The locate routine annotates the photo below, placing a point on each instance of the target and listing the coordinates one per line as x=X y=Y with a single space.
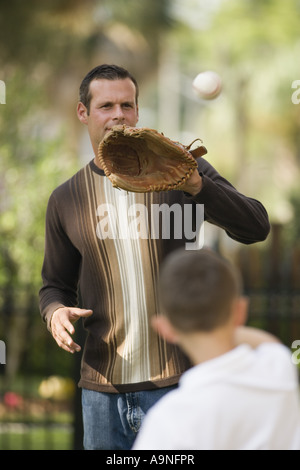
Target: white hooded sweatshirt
x=245 y=399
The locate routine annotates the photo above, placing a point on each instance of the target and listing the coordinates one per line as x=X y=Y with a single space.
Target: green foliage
x=32 y=165
x=34 y=32
x=46 y=48
x=34 y=160
x=292 y=229
x=145 y=16
x=252 y=129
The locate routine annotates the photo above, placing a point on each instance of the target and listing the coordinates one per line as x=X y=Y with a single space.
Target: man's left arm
x=243 y=218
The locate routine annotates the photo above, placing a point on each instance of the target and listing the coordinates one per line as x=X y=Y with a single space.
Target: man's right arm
x=60 y=274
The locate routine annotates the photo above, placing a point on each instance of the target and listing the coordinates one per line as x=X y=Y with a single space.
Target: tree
x=45 y=49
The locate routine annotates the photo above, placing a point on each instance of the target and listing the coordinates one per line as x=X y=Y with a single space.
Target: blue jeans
x=111 y=420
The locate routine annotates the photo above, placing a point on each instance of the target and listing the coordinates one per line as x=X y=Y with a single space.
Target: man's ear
x=82 y=113
x=164 y=328
x=241 y=310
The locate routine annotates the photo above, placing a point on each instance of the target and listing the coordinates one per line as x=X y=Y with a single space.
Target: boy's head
x=197 y=290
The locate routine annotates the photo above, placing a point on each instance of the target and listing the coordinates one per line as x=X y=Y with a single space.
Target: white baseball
x=207 y=85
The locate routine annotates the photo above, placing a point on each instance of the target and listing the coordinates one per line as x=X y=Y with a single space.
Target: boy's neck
x=201 y=347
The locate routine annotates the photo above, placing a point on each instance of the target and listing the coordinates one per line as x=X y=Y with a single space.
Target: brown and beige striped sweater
x=108 y=244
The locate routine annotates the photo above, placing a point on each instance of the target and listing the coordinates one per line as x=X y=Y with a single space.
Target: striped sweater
x=108 y=244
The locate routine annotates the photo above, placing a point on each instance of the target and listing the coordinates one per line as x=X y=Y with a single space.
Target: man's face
x=112 y=103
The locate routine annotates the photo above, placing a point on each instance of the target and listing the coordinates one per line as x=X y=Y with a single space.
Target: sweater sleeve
x=244 y=219
x=60 y=270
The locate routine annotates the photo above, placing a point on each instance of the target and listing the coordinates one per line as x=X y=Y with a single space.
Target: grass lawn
x=36 y=437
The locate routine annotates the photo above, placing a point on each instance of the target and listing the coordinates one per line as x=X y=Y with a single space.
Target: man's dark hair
x=107 y=72
x=197 y=289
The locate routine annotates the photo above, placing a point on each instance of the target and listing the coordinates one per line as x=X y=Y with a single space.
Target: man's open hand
x=62 y=326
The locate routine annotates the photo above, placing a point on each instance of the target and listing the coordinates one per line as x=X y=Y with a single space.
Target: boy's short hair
x=107 y=72
x=197 y=289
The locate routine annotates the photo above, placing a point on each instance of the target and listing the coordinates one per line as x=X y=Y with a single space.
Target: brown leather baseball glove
x=139 y=159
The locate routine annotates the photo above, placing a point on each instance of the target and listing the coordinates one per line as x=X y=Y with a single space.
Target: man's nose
x=118 y=113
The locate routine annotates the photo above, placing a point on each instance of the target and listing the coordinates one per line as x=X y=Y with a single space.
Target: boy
x=242 y=392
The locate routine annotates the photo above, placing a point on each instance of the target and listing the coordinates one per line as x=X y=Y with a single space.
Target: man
x=126 y=366
x=242 y=392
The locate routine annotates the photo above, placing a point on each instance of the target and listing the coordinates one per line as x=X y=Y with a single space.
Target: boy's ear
x=164 y=328
x=241 y=306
